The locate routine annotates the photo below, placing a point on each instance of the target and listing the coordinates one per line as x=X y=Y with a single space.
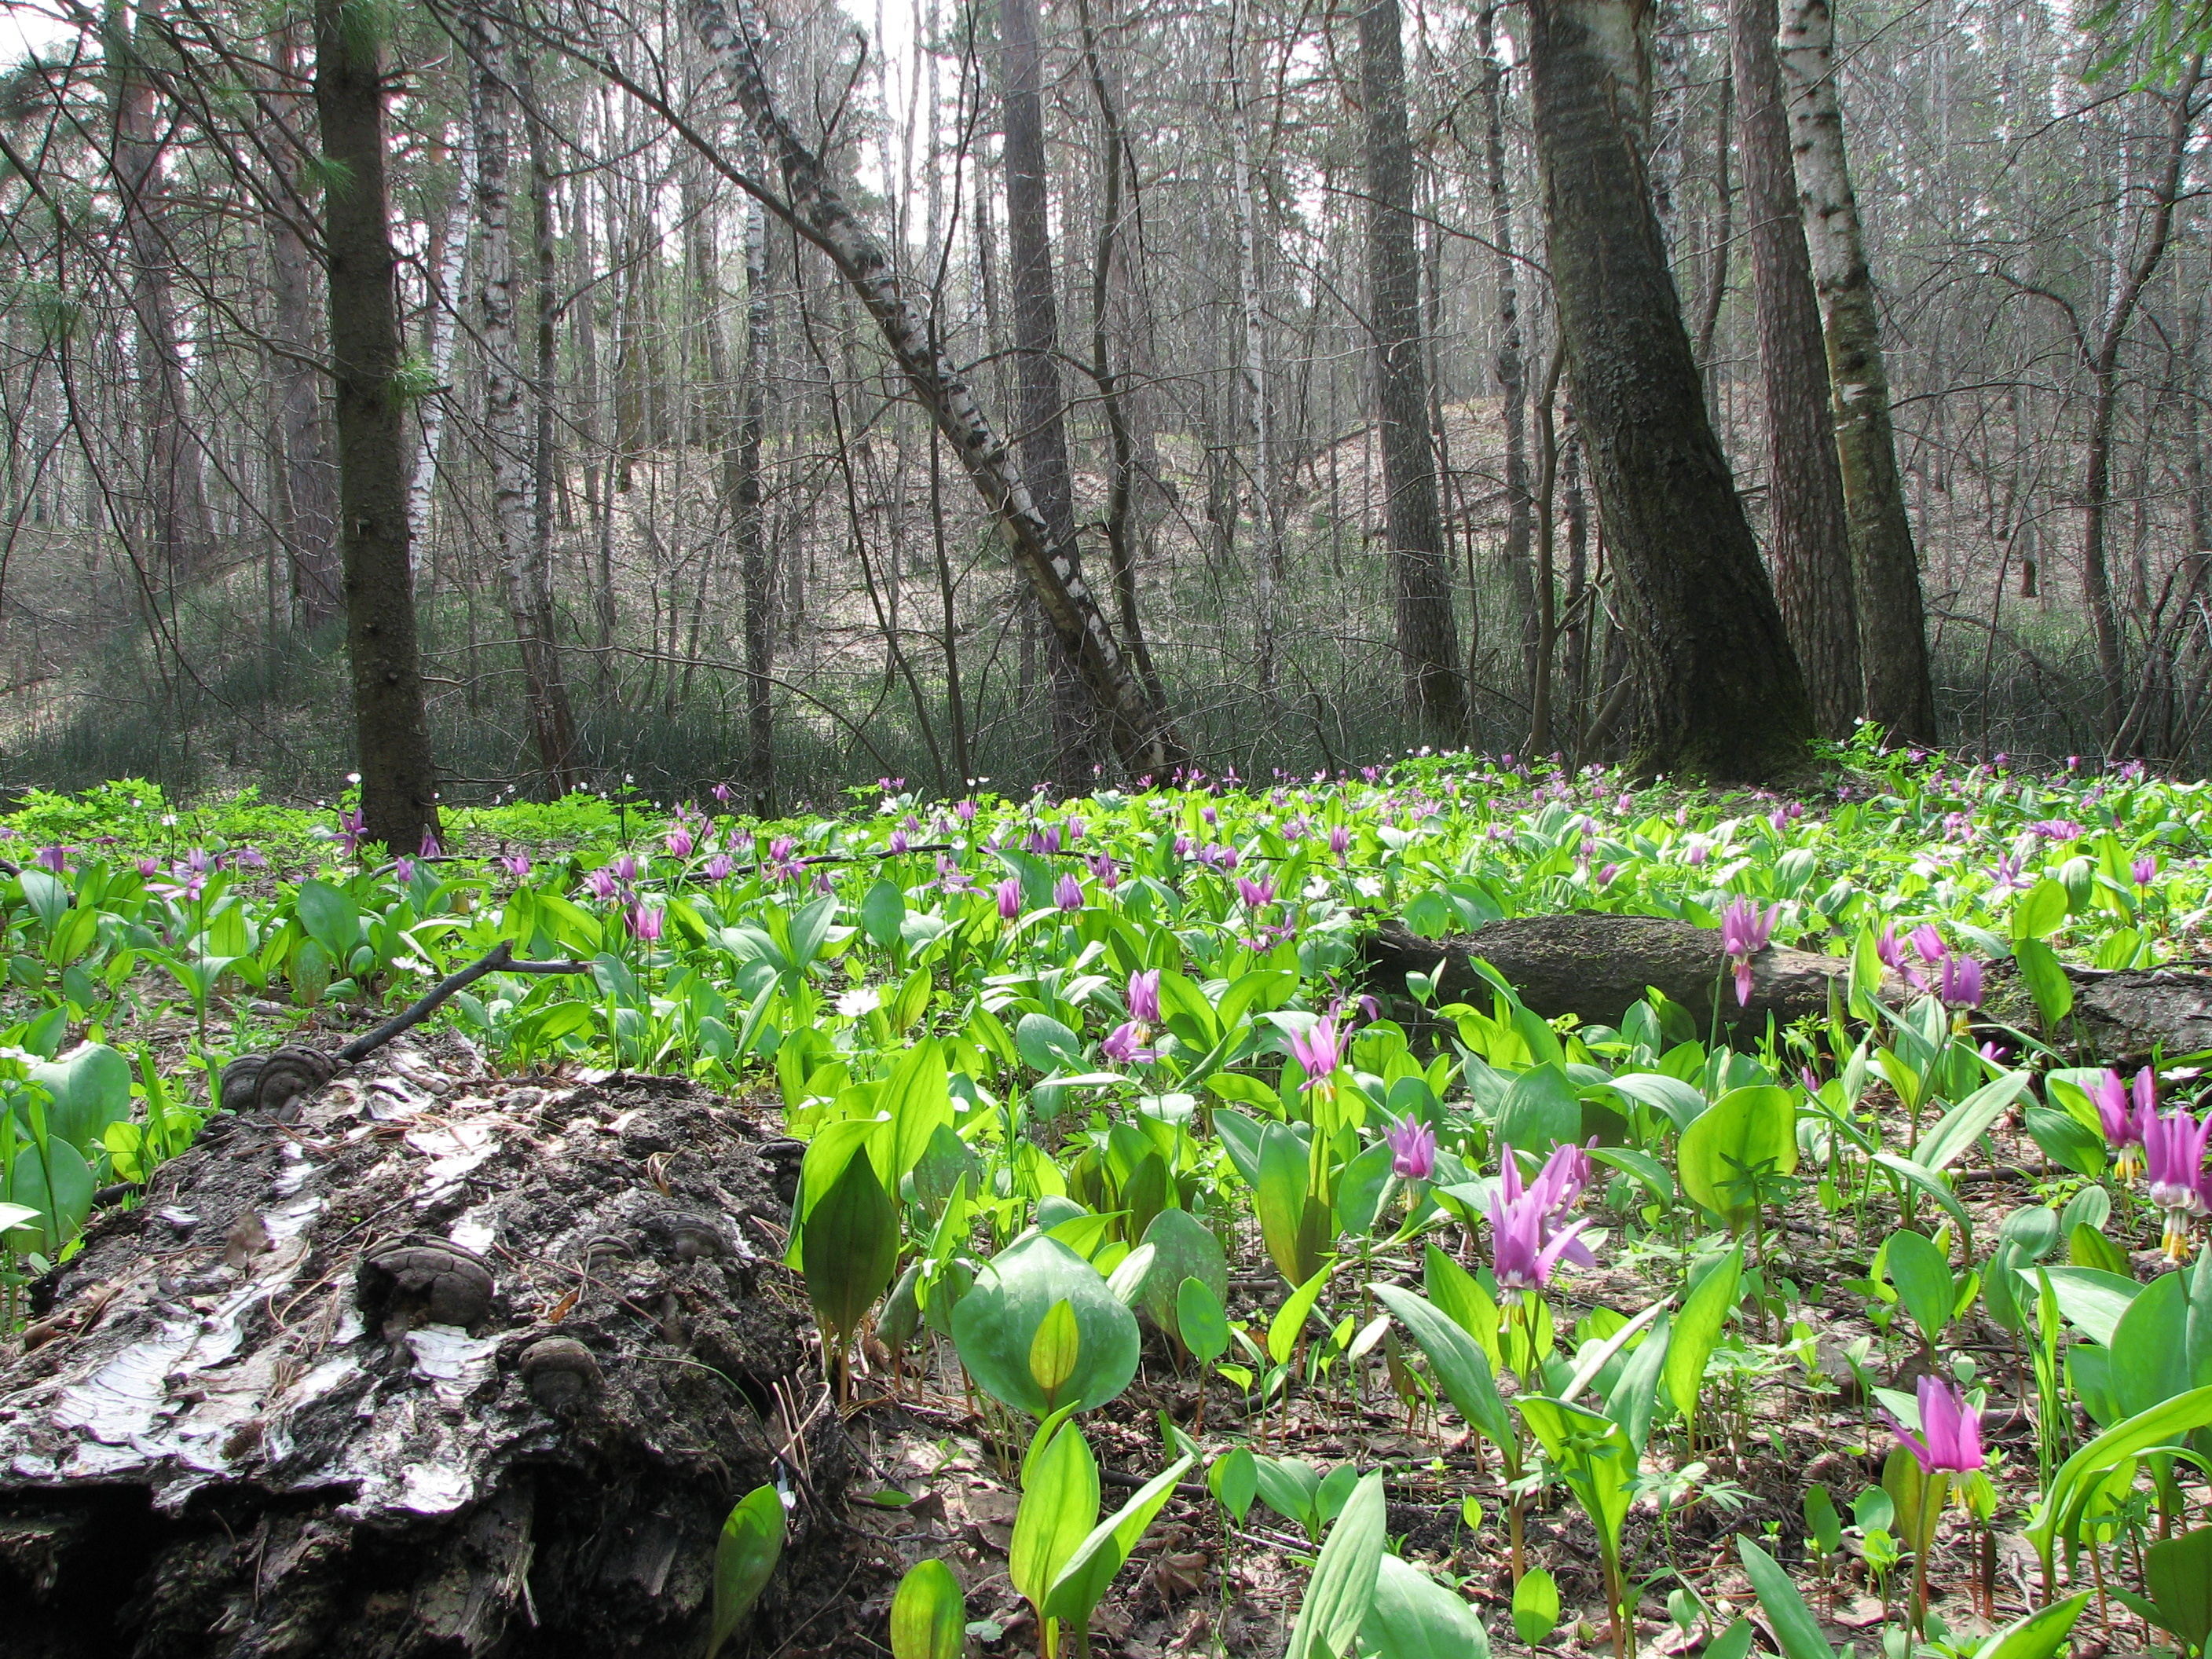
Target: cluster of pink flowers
x=1956 y=979
x=2168 y=1148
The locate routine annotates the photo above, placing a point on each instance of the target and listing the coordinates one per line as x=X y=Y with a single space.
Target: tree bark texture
x=755 y=574
x=1513 y=368
x=1900 y=695
x=1806 y=536
x=2103 y=356
x=1039 y=409
x=444 y=304
x=446 y=1365
x=1719 y=692
x=1270 y=567
x=310 y=498
x=1428 y=651
x=180 y=537
x=507 y=414
x=398 y=786
x=1139 y=725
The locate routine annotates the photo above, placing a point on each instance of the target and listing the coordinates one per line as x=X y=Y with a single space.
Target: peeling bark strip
x=1142 y=733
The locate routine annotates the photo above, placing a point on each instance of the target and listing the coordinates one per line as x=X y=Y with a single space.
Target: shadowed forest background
x=676 y=518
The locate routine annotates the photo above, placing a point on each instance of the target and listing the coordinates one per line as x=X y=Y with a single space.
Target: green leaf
x=1698 y=1333
x=1591 y=1452
x=883 y=911
x=1730 y=1159
x=332 y=918
x=2046 y=981
x=1060 y=1505
x=1291 y=1318
x=1966 y=1122
x=2178 y=1573
x=929 y=1616
x=1342 y=1589
x=1280 y=1200
x=1461 y=1366
x=918 y=1102
x=1462 y=1298
x=1201 y=1321
x=2039 y=1635
x=1414 y=1617
x=1079 y=1585
x=744 y=1558
x=1054 y=1351
x=90 y=1089
x=997 y=1320
x=1291 y=1487
x=1791 y=1620
x=1916 y=1265
x=62 y=1204
x=1184 y=1247
x=2059 y=1515
x=850 y=1249
x=1234 y=1480
x=2150 y=1345
x=1541 y=1110
x=2092 y=1299
x=2040 y=911
x=1536 y=1605
x=1048 y=1045
x=2065 y=1140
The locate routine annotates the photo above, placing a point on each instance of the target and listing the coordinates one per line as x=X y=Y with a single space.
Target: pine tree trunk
x=507 y=416
x=398 y=788
x=1427 y=632
x=1806 y=537
x=1900 y=697
x=1719 y=694
x=1142 y=733
x=310 y=519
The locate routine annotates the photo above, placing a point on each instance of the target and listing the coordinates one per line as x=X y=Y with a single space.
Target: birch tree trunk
x=1719 y=694
x=1142 y=730
x=506 y=417
x=1804 y=486
x=1427 y=632
x=445 y=309
x=398 y=786
x=1900 y=697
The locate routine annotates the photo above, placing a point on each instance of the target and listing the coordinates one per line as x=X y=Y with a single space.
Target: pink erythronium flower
x=1145 y=996
x=353 y=830
x=601 y=883
x=1010 y=899
x=718 y=867
x=678 y=842
x=1125 y=1045
x=2173 y=1150
x=2143 y=871
x=1318 y=1051
x=2124 y=1114
x=516 y=864
x=1525 y=1248
x=1745 y=932
x=1929 y=942
x=1950 y=1437
x=1255 y=895
x=430 y=848
x=644 y=922
x=1413 y=1146
x=1961 y=986
x=1067 y=893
